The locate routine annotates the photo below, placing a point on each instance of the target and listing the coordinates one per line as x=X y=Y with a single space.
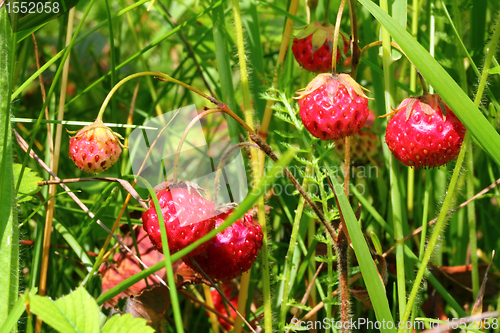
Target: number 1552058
x=25 y=7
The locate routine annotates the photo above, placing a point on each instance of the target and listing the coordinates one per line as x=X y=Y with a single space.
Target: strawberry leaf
x=29 y=183
x=76 y=312
x=126 y=324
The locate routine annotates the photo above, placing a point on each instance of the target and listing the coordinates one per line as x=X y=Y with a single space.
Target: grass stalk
x=174 y=299
x=256 y=167
x=287 y=281
x=285 y=42
x=54 y=166
x=395 y=192
x=9 y=230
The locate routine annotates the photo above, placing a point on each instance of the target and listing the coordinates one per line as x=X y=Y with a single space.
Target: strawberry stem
x=347 y=162
x=327 y=8
x=355 y=51
x=336 y=36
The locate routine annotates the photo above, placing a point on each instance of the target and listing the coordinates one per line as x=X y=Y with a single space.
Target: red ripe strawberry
x=364 y=144
x=312 y=48
x=232 y=251
x=186 y=215
x=95 y=148
x=232 y=295
x=333 y=106
x=424 y=132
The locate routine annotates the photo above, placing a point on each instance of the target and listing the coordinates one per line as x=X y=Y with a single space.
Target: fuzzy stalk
x=451 y=187
x=256 y=167
x=9 y=230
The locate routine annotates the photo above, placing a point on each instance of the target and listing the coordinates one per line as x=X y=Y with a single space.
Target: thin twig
x=126 y=185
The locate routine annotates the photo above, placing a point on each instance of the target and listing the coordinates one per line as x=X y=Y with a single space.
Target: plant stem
x=242 y=300
x=451 y=187
x=168 y=264
x=394 y=173
x=290 y=254
x=327 y=9
x=256 y=167
x=54 y=166
x=437 y=230
x=9 y=230
x=336 y=35
x=285 y=42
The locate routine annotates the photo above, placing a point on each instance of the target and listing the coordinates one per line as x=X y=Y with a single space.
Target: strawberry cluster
x=188 y=216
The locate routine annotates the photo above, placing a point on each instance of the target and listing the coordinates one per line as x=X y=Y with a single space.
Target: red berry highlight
x=186 y=215
x=312 y=48
x=424 y=132
x=232 y=251
x=333 y=106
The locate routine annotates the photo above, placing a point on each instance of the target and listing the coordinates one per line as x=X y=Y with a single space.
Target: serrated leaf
x=126 y=324
x=29 y=183
x=494 y=70
x=76 y=312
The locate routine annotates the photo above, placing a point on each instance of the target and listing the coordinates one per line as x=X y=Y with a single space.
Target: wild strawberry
x=333 y=106
x=364 y=144
x=232 y=295
x=187 y=216
x=312 y=48
x=424 y=132
x=232 y=251
x=95 y=148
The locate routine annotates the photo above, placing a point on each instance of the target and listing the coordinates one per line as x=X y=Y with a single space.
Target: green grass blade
x=14 y=315
x=75 y=246
x=442 y=82
x=9 y=230
x=373 y=283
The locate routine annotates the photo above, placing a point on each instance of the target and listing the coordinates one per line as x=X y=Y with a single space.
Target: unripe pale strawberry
x=333 y=106
x=312 y=47
x=231 y=252
x=95 y=148
x=186 y=214
x=424 y=132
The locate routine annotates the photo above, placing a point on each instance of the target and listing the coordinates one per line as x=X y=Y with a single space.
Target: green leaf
x=126 y=324
x=494 y=70
x=76 y=312
x=442 y=82
x=29 y=183
x=9 y=231
x=374 y=285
